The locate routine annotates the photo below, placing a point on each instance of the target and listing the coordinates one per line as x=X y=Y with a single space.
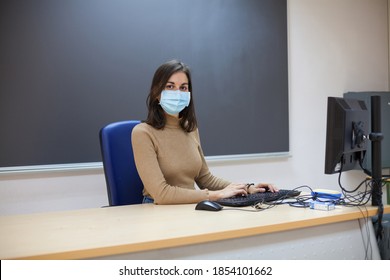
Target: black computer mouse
x=208 y=206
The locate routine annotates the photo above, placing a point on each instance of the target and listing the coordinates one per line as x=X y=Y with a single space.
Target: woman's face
x=178 y=81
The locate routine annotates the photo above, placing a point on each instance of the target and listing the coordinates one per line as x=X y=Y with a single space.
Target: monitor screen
x=346 y=134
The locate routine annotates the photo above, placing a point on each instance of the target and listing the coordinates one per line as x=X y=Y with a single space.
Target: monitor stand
x=376 y=137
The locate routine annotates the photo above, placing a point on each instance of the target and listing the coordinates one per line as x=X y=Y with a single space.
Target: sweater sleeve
x=155 y=185
x=205 y=179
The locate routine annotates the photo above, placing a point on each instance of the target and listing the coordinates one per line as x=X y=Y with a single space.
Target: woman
x=167 y=149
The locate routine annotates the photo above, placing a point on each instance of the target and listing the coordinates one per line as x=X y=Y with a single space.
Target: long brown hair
x=156 y=115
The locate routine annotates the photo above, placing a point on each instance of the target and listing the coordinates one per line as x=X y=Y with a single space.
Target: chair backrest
x=124 y=185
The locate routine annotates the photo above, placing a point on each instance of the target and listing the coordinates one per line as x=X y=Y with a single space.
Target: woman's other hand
x=229 y=191
x=262 y=187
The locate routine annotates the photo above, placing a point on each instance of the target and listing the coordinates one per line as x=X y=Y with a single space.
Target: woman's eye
x=169 y=86
x=184 y=88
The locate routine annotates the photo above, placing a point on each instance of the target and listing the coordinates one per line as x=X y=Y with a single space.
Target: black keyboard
x=252 y=199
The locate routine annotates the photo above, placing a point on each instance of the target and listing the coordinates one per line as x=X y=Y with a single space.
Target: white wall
x=334 y=46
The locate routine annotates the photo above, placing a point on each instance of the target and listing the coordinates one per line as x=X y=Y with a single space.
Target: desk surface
x=109 y=231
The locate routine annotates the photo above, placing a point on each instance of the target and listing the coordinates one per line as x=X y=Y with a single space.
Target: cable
x=361 y=198
x=299 y=201
x=242 y=209
x=368 y=245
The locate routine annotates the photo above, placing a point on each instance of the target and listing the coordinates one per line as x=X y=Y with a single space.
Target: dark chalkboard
x=67 y=68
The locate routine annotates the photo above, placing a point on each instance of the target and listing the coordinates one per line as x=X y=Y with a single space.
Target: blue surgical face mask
x=174 y=101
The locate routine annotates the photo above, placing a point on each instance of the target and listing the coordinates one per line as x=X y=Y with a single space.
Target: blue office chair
x=124 y=185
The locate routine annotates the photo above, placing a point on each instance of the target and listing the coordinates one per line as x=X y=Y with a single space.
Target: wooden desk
x=102 y=232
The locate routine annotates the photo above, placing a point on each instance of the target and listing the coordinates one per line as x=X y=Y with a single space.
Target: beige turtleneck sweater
x=170 y=161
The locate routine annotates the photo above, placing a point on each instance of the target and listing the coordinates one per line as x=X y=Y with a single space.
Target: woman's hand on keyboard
x=229 y=191
x=262 y=187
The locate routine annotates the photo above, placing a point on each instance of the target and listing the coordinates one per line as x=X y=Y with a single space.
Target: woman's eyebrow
x=169 y=82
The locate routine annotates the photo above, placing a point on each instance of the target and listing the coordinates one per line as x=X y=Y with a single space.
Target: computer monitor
x=384 y=127
x=346 y=134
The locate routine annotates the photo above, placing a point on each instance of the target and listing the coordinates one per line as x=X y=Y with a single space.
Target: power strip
x=322 y=205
